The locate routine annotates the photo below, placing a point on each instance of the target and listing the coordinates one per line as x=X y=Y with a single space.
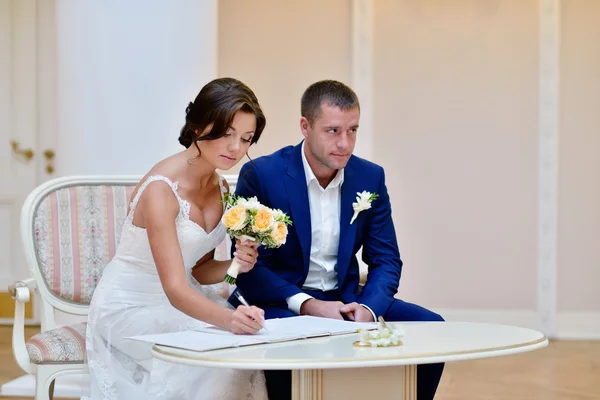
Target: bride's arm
x=208 y=271
x=159 y=208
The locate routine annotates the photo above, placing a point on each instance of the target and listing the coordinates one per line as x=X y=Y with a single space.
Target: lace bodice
x=195 y=242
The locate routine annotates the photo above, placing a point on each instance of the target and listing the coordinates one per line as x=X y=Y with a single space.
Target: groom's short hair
x=329 y=92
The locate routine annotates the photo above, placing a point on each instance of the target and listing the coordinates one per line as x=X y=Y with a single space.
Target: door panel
x=18 y=135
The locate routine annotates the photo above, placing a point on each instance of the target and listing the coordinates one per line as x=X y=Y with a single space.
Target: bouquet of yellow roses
x=247 y=219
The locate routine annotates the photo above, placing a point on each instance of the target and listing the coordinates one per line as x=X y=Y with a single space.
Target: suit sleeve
x=261 y=285
x=380 y=253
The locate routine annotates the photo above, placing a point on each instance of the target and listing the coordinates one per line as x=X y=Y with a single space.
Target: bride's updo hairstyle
x=216 y=104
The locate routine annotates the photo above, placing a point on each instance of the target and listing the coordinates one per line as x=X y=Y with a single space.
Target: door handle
x=49 y=156
x=25 y=153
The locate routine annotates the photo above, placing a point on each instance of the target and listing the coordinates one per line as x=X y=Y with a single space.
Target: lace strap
x=183 y=205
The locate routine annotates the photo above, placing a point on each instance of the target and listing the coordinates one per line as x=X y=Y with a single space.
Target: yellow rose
x=263 y=220
x=235 y=218
x=279 y=233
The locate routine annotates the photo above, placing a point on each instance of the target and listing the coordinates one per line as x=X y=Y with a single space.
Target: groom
x=316 y=272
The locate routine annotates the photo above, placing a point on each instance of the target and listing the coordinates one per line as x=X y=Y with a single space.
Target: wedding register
x=277 y=330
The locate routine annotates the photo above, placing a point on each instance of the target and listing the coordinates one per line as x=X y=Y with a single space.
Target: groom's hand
x=357 y=313
x=319 y=308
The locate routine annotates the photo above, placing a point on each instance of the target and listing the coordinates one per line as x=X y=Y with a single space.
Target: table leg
x=355 y=383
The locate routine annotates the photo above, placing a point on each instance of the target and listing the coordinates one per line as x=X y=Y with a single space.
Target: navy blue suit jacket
x=278 y=181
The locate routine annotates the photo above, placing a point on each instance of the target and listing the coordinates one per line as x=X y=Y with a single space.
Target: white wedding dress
x=130 y=300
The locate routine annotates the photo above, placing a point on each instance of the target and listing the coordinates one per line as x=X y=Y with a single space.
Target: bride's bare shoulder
x=169 y=167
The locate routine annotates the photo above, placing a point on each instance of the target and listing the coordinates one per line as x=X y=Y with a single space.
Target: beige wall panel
x=455 y=100
x=278 y=48
x=579 y=163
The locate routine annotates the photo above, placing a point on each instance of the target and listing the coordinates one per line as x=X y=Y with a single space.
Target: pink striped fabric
x=110 y=217
x=75 y=243
x=55 y=251
x=58 y=346
x=76 y=233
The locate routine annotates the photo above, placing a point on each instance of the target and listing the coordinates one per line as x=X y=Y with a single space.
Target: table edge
x=204 y=359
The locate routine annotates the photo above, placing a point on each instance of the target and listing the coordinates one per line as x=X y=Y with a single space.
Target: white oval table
x=332 y=368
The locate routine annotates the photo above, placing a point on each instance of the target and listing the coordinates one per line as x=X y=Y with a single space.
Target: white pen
x=244 y=302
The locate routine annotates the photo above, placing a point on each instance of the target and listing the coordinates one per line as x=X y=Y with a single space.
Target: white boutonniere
x=363 y=202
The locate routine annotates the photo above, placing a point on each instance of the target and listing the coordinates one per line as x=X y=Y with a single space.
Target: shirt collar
x=310 y=175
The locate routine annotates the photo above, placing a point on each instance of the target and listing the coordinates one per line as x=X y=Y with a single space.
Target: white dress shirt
x=324 y=206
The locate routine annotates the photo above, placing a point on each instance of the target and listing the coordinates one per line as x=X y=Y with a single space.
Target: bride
x=152 y=285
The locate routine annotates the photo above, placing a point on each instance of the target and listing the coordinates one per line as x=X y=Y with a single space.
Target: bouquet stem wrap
x=234 y=268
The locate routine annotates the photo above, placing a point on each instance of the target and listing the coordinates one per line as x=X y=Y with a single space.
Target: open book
x=277 y=330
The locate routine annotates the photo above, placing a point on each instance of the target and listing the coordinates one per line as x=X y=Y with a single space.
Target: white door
x=23 y=79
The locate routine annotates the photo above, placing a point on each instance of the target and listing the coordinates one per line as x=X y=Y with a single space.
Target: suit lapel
x=297 y=191
x=347 y=231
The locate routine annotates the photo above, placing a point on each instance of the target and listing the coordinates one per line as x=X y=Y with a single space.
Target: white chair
x=70 y=229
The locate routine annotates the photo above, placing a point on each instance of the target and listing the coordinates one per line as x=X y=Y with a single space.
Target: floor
x=565 y=370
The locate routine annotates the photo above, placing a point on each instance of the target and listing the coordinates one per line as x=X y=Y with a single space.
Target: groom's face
x=332 y=136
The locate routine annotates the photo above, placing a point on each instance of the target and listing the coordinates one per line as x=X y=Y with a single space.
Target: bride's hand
x=246 y=254
x=247 y=320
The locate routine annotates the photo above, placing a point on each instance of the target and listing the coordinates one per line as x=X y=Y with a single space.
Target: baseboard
x=578 y=325
x=571 y=325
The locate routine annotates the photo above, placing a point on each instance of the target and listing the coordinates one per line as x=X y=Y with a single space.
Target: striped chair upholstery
x=76 y=231
x=64 y=345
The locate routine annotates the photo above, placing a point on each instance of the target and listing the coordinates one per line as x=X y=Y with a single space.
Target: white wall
x=102 y=84
x=126 y=72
